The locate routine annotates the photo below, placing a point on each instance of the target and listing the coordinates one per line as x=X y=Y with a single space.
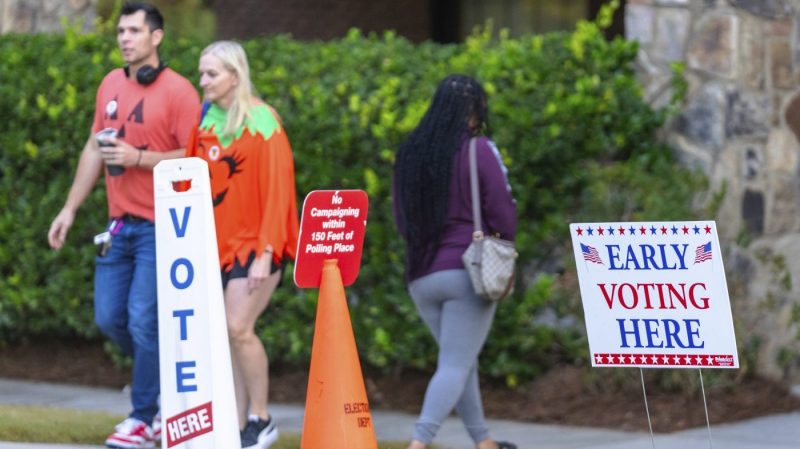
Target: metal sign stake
x=647 y=409
x=705 y=406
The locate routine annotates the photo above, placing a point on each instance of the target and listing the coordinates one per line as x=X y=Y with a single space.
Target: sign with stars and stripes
x=654 y=294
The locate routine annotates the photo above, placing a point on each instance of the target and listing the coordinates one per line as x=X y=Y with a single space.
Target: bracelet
x=139 y=159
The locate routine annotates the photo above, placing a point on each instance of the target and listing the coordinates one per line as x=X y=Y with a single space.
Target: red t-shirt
x=157 y=117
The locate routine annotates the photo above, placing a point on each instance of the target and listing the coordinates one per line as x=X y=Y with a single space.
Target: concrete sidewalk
x=772 y=432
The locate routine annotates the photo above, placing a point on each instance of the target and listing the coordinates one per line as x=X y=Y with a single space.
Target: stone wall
x=740 y=124
x=38 y=16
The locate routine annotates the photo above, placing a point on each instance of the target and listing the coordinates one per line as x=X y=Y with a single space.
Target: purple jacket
x=498 y=208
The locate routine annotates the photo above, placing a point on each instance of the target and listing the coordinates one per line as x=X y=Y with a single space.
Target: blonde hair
x=233 y=58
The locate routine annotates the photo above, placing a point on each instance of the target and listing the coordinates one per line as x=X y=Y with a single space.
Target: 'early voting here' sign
x=654 y=294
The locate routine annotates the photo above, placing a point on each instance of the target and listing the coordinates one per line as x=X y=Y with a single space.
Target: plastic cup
x=104 y=137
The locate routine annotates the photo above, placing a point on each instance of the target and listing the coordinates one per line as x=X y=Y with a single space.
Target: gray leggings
x=459 y=321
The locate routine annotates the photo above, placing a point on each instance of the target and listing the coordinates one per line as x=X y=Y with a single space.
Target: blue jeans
x=126 y=309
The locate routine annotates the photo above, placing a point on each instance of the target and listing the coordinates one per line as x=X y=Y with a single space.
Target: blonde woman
x=253 y=189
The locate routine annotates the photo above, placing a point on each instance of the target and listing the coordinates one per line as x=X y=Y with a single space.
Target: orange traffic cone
x=337 y=413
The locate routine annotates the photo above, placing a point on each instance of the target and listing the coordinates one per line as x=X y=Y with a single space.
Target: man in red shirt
x=153 y=110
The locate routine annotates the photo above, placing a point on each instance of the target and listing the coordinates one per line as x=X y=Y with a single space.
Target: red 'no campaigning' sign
x=332 y=227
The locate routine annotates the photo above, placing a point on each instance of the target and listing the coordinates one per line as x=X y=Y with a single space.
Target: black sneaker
x=259 y=434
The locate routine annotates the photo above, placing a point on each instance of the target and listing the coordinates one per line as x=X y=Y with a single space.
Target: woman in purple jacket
x=433 y=212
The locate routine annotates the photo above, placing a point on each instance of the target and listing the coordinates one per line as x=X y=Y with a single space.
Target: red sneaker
x=157 y=426
x=131 y=434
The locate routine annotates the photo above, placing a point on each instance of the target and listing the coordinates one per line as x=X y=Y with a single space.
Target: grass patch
x=55 y=425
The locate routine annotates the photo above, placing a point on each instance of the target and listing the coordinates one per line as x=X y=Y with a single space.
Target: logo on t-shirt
x=137 y=114
x=111 y=109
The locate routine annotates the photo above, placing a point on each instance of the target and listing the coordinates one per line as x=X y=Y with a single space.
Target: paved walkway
x=772 y=432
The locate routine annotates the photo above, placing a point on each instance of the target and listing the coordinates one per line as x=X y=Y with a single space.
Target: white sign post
x=654 y=295
x=198 y=405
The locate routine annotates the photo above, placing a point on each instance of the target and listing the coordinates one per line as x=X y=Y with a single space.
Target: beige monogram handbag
x=489 y=260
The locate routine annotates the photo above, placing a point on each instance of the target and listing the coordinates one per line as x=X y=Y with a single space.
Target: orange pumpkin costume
x=252 y=183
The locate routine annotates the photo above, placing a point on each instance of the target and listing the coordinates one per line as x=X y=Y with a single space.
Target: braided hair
x=424 y=164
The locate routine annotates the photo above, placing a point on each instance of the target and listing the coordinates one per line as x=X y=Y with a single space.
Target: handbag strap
x=473 y=184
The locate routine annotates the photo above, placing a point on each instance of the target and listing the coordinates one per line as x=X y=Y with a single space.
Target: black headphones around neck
x=147 y=74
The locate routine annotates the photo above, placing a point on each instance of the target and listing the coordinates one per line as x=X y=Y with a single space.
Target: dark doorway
x=446 y=21
x=617 y=27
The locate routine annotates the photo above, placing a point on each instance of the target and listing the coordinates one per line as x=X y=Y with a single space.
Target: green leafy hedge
x=567 y=115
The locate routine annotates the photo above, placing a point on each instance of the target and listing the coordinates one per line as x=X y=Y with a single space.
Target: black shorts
x=240 y=271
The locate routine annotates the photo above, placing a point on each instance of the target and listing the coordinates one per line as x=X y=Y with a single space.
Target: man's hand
x=122 y=153
x=59 y=228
